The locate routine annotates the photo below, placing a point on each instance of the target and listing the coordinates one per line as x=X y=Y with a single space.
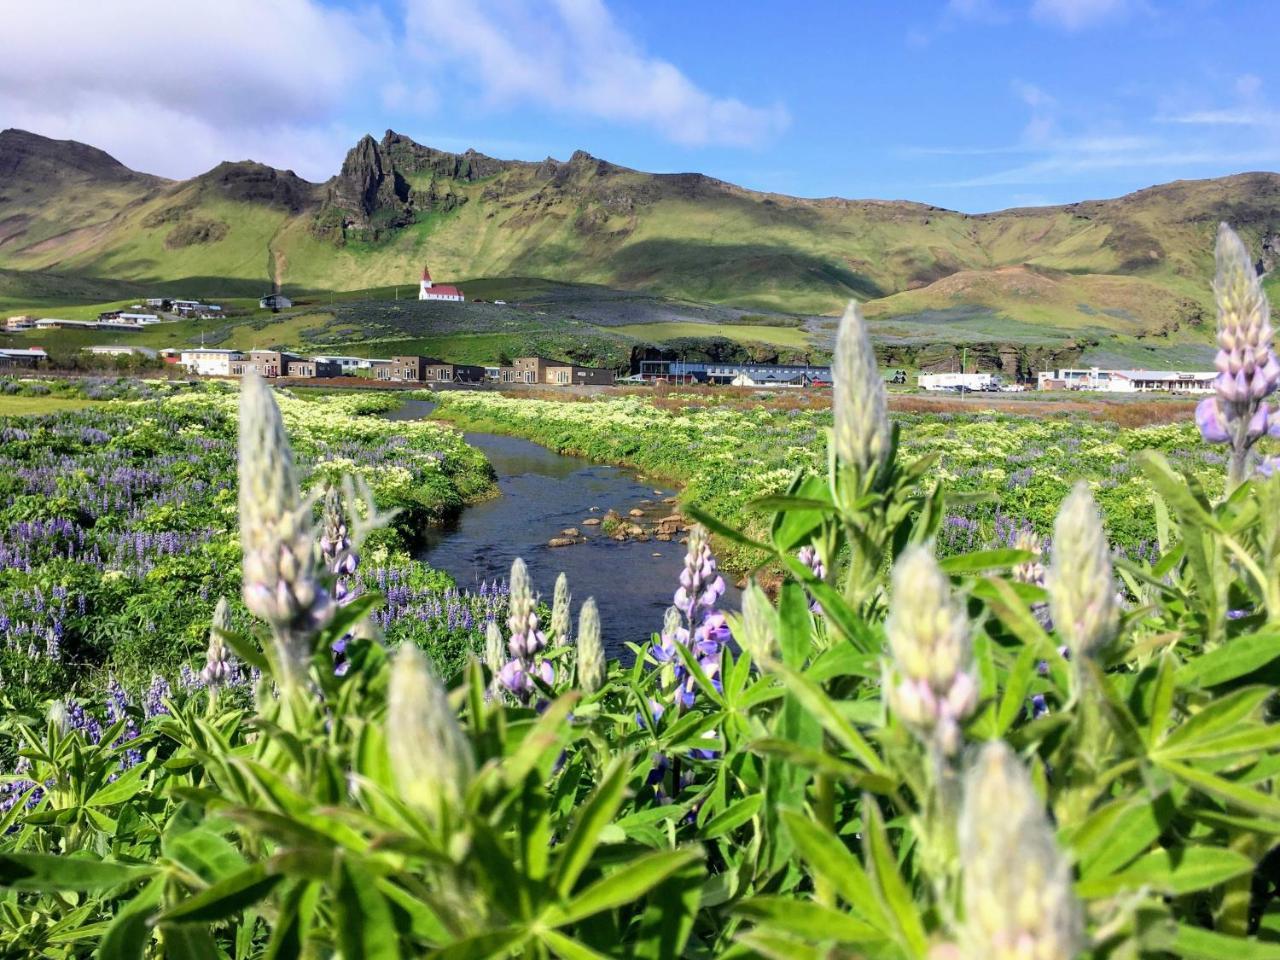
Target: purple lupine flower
x=808 y=555
x=153 y=703
x=1248 y=371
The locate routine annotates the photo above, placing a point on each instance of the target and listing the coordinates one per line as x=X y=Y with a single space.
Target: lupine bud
x=759 y=634
x=522 y=617
x=809 y=556
x=493 y=647
x=280 y=583
x=1018 y=898
x=933 y=688
x=701 y=585
x=559 y=626
x=591 y=661
x=218 y=664
x=430 y=756
x=1244 y=321
x=1082 y=591
x=861 y=429
x=1030 y=571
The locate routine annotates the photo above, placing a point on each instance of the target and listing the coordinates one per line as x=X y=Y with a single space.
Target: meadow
x=118 y=533
x=728 y=451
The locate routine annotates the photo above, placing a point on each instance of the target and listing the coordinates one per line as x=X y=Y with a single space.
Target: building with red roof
x=434 y=291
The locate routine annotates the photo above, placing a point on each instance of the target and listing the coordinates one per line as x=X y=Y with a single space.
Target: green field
x=659 y=332
x=24 y=406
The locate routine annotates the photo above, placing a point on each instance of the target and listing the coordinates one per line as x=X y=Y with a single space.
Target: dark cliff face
x=373 y=192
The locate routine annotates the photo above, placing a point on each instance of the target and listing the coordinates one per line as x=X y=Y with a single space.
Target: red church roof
x=445 y=290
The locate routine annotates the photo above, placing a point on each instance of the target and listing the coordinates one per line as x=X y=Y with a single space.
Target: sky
x=974 y=105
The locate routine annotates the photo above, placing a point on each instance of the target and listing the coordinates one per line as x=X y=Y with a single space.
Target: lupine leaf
x=48 y=872
x=363 y=920
x=624 y=885
x=1171 y=872
x=225 y=898
x=131 y=930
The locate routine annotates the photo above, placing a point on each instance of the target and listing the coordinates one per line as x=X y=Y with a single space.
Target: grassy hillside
x=1129 y=275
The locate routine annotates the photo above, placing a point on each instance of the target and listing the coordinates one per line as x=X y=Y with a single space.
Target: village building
x=275 y=301
x=1127 y=381
x=20 y=323
x=740 y=374
x=555 y=372
x=210 y=362
x=22 y=358
x=54 y=323
x=348 y=365
x=428 y=290
x=121 y=350
x=121 y=319
x=265 y=363
x=958 y=381
x=311 y=368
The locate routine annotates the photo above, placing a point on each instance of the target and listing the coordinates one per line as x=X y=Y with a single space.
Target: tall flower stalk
x=526 y=640
x=281 y=580
x=861 y=434
x=591 y=659
x=1248 y=371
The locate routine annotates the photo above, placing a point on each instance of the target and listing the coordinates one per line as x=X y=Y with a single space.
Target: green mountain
x=1136 y=267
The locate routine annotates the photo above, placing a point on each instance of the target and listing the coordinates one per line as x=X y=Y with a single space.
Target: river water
x=542 y=493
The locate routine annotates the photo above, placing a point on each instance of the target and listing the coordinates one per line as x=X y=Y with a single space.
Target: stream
x=542 y=493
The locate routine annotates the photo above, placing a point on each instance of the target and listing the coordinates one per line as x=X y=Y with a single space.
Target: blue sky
x=969 y=104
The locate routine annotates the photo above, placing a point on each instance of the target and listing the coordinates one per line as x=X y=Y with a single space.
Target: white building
x=20 y=323
x=121 y=350
x=432 y=291
x=209 y=362
x=22 y=356
x=347 y=364
x=53 y=323
x=131 y=320
x=1127 y=381
x=953 y=381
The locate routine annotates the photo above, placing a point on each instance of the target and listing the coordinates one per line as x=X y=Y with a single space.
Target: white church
x=442 y=291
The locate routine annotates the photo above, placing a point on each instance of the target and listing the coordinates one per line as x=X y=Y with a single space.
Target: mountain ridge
x=395 y=203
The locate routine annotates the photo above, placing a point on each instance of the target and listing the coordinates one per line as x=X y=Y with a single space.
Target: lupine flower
x=696 y=624
x=1029 y=571
x=591 y=660
x=493 y=647
x=153 y=703
x=559 y=626
x=1018 y=898
x=280 y=582
x=861 y=433
x=1248 y=371
x=219 y=664
x=759 y=631
x=932 y=689
x=335 y=546
x=809 y=556
x=526 y=640
x=430 y=756
x=1082 y=592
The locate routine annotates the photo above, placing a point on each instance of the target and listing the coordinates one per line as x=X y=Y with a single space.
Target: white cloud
x=178 y=86
x=1077 y=14
x=571 y=56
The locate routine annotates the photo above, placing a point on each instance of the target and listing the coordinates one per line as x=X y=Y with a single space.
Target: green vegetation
x=746 y=334
x=25 y=406
x=900 y=758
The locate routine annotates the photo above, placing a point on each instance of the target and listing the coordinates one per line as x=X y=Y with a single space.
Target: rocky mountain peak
x=26 y=155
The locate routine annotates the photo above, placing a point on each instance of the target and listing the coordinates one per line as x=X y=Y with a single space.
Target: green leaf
x=482 y=946
x=363 y=920
x=1115 y=834
x=1196 y=943
x=225 y=898
x=807 y=919
x=546 y=734
x=204 y=853
x=827 y=857
x=568 y=948
x=1215 y=786
x=48 y=872
x=183 y=941
x=892 y=891
x=1015 y=692
x=125 y=787
x=733 y=816
x=1234 y=659
x=1171 y=872
x=1220 y=716
x=625 y=885
x=983 y=560
x=130 y=931
x=813 y=699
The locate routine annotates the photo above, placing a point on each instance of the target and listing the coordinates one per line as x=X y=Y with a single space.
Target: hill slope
x=1136 y=265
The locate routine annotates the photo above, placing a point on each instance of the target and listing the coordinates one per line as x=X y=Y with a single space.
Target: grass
x=32 y=406
x=740 y=333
